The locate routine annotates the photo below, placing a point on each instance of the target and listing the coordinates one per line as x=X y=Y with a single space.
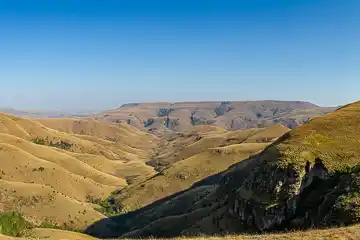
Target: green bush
x=39 y=141
x=49 y=224
x=108 y=207
x=62 y=144
x=13 y=224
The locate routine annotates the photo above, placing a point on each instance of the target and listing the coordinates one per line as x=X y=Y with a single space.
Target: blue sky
x=95 y=54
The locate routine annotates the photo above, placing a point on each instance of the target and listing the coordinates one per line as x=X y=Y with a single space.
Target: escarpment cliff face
x=269 y=198
x=165 y=117
x=324 y=200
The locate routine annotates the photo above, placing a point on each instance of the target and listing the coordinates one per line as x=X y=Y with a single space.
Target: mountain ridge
x=164 y=117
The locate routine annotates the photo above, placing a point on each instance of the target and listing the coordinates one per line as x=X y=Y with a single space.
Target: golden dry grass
x=95 y=163
x=39 y=203
x=52 y=234
x=212 y=154
x=345 y=233
x=333 y=137
x=103 y=158
x=124 y=133
x=50 y=184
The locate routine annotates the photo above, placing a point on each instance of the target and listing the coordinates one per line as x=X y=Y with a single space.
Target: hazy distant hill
x=45 y=114
x=228 y=115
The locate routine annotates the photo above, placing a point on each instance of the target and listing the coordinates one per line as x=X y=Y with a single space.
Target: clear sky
x=97 y=54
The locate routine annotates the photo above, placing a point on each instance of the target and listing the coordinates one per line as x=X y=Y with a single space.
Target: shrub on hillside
x=13 y=224
x=108 y=207
x=62 y=144
x=39 y=141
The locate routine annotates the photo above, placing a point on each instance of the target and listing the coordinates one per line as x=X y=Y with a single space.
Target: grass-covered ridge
x=334 y=138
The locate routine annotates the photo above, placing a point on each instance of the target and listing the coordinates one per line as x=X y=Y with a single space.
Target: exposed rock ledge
x=293 y=198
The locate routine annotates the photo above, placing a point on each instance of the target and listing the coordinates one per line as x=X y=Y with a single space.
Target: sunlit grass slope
x=52 y=169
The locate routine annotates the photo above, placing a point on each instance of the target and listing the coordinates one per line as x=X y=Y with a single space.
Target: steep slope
x=309 y=177
x=182 y=116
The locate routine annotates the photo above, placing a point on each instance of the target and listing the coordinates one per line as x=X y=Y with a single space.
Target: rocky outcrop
x=275 y=199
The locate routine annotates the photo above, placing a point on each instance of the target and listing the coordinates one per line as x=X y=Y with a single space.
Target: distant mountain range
x=229 y=115
x=45 y=114
x=183 y=116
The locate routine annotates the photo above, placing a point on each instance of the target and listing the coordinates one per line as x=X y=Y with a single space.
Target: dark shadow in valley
x=114 y=227
x=117 y=226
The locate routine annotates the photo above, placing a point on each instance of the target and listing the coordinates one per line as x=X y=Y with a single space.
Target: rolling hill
x=59 y=171
x=197 y=159
x=51 y=173
x=307 y=178
x=182 y=116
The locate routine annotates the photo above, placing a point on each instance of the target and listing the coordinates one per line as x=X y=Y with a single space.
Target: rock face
x=285 y=188
x=183 y=116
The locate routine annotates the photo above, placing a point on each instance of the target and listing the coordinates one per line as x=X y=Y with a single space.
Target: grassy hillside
x=124 y=133
x=344 y=233
x=53 y=169
x=307 y=178
x=206 y=180
x=58 y=172
x=199 y=139
x=70 y=173
x=200 y=156
x=182 y=116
